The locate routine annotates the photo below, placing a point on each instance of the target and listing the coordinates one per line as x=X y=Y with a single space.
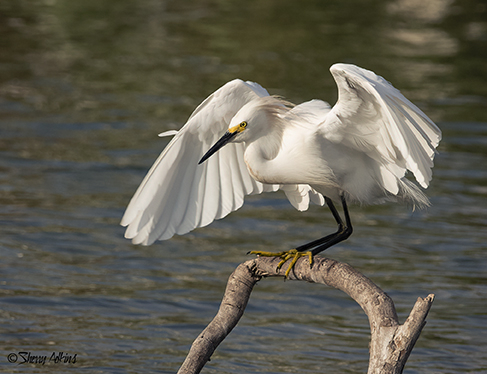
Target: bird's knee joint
x=346 y=231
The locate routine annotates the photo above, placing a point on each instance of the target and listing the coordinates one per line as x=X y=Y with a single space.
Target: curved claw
x=293 y=254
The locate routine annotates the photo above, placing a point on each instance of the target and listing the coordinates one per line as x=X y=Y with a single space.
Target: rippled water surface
x=85 y=87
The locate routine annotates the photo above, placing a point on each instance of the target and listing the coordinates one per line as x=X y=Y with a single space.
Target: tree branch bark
x=391 y=343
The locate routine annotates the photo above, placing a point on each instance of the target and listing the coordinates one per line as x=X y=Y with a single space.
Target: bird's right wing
x=178 y=195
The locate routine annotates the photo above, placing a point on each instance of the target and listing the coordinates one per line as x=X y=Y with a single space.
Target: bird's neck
x=259 y=157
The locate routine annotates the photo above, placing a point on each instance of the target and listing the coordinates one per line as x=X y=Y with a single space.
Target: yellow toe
x=285 y=256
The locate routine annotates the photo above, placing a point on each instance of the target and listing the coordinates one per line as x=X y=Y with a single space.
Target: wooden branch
x=391 y=343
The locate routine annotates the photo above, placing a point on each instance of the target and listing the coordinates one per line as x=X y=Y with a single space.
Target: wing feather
x=373 y=117
x=178 y=195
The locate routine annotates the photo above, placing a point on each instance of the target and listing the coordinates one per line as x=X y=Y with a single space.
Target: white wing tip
x=338 y=66
x=140 y=238
x=167 y=133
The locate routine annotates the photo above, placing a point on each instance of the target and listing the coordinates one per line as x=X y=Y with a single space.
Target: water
x=84 y=89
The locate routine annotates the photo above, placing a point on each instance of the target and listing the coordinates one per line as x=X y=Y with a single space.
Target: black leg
x=343 y=232
x=316 y=246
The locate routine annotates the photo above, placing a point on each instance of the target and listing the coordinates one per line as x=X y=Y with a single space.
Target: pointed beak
x=219 y=144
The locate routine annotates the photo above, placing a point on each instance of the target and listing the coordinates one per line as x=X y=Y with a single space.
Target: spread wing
x=373 y=117
x=178 y=195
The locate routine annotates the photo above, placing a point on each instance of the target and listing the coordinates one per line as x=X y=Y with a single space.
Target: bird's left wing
x=373 y=117
x=178 y=195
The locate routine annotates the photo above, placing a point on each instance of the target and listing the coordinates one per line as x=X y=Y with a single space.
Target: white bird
x=356 y=152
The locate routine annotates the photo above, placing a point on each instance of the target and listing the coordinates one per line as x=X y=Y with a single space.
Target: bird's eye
x=243 y=125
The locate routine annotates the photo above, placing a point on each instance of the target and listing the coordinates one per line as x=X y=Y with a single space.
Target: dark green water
x=86 y=86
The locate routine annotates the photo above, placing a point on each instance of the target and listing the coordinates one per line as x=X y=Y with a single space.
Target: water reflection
x=84 y=89
x=63 y=55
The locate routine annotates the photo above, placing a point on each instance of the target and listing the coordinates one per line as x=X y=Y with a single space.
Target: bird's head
x=232 y=134
x=251 y=122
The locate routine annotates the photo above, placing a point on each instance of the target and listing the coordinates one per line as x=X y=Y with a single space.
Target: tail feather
x=410 y=193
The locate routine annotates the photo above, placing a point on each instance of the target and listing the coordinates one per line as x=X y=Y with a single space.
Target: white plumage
x=359 y=151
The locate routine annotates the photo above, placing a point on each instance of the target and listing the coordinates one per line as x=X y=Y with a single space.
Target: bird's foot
x=293 y=254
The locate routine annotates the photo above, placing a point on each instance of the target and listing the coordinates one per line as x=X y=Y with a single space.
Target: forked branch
x=391 y=343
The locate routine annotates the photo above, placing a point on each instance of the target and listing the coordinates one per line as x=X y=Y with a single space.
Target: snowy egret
x=242 y=141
